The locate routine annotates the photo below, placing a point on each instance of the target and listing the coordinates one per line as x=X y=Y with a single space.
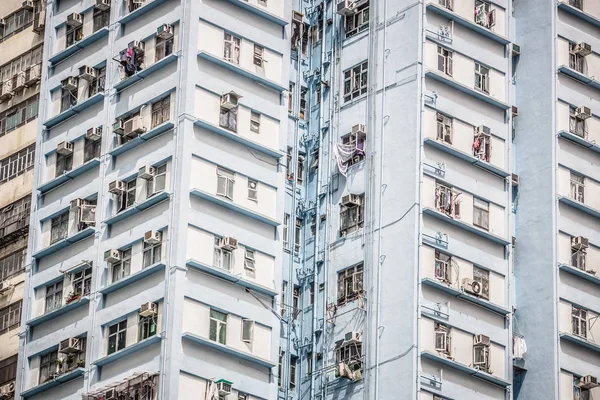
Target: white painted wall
x=466 y=9
x=562 y=57
x=61 y=33
x=591 y=191
x=592 y=124
x=565 y=326
x=564 y=252
x=193 y=388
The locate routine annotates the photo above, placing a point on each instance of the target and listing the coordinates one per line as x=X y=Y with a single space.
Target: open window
x=447 y=200
x=101 y=16
x=444 y=128
x=577 y=187
x=81 y=282
x=153 y=242
x=225 y=182
x=351 y=213
x=164 y=42
x=579 y=246
x=298 y=29
x=579 y=321
x=349 y=357
x=69 y=93
x=577 y=120
x=358 y=21
x=229 y=111
x=355 y=81
x=443 y=343
x=445 y=60
x=132 y=58
x=577 y=56
x=74 y=29
x=482 y=143
x=223 y=252
x=64 y=158
x=481 y=352
x=84 y=211
x=484 y=14
x=443 y=267
x=350 y=284
x=482 y=78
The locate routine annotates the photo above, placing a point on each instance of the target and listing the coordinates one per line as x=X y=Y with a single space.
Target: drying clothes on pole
x=343 y=153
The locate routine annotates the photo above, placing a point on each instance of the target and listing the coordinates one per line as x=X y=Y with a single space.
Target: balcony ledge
x=580 y=206
x=228 y=276
x=53 y=248
x=470 y=228
x=237 y=138
x=466 y=89
x=140 y=11
x=57 y=312
x=580 y=273
x=467 y=157
x=579 y=76
x=242 y=71
x=127 y=351
x=228 y=350
x=152 y=133
x=125 y=83
x=565 y=6
x=82 y=44
x=466 y=369
x=76 y=109
x=444 y=12
x=69 y=376
x=234 y=207
x=465 y=296
x=132 y=278
x=68 y=176
x=579 y=140
x=137 y=208
x=580 y=341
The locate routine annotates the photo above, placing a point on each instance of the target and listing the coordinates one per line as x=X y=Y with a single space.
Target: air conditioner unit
x=87 y=73
x=359 y=130
x=4 y=286
x=103 y=5
x=353 y=337
x=224 y=387
x=71 y=345
x=351 y=200
x=583 y=49
x=153 y=237
x=229 y=100
x=515 y=111
x=64 y=148
x=471 y=286
x=39 y=22
x=94 y=133
x=481 y=340
x=71 y=83
x=137 y=46
x=149 y=309
x=134 y=126
x=483 y=130
x=118 y=127
x=111 y=394
x=346 y=7
x=7 y=90
x=588 y=382
x=112 y=256
x=583 y=112
x=516 y=49
x=165 y=31
x=75 y=204
x=20 y=81
x=28 y=5
x=74 y=20
x=228 y=243
x=297 y=17
x=35 y=74
x=6 y=391
x=579 y=243
x=343 y=371
x=146 y=172
x=514 y=179
x=116 y=187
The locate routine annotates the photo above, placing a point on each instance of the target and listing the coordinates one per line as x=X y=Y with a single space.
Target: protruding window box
x=132 y=278
x=61 y=244
x=441 y=77
x=580 y=273
x=156 y=131
x=142 y=344
x=580 y=141
x=444 y=12
x=57 y=312
x=228 y=350
x=242 y=71
x=128 y=81
x=234 y=207
x=565 y=6
x=237 y=138
x=580 y=206
x=76 y=109
x=467 y=157
x=59 y=380
x=228 y=276
x=587 y=80
x=470 y=228
x=466 y=369
x=580 y=341
x=261 y=13
x=78 y=46
x=465 y=296
x=68 y=176
x=137 y=208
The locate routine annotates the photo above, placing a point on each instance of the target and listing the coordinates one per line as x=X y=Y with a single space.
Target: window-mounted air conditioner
x=228 y=243
x=483 y=130
x=71 y=345
x=481 y=340
x=74 y=20
x=359 y=130
x=118 y=127
x=7 y=390
x=39 y=22
x=351 y=200
x=153 y=237
x=20 y=81
x=353 y=337
x=87 y=73
x=134 y=126
x=7 y=90
x=146 y=172
x=515 y=111
x=64 y=148
x=116 y=187
x=28 y=5
x=346 y=7
x=297 y=17
x=94 y=133
x=516 y=49
x=229 y=100
x=514 y=179
x=4 y=286
x=149 y=309
x=579 y=243
x=165 y=31
x=471 y=286
x=111 y=394
x=87 y=214
x=224 y=387
x=137 y=46
x=588 y=382
x=103 y=5
x=75 y=204
x=71 y=83
x=35 y=74
x=583 y=49
x=583 y=112
x=112 y=256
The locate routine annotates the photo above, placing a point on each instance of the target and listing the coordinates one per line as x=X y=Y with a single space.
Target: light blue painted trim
x=234 y=207
x=240 y=104
x=237 y=138
x=146 y=103
x=587 y=17
x=233 y=33
x=580 y=141
x=69 y=376
x=74 y=48
x=137 y=208
x=132 y=278
x=125 y=83
x=580 y=341
x=241 y=71
x=580 y=206
x=232 y=170
x=127 y=351
x=152 y=133
x=470 y=228
x=76 y=109
x=228 y=350
x=53 y=248
x=582 y=274
x=221 y=235
x=444 y=12
x=57 y=312
x=466 y=369
x=465 y=89
x=68 y=176
x=261 y=13
x=579 y=76
x=140 y=11
x=460 y=294
x=228 y=276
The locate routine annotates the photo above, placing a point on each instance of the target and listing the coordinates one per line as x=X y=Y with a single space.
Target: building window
x=22 y=63
x=442 y=339
x=482 y=145
x=127 y=198
x=444 y=128
x=75 y=33
x=579 y=321
x=98 y=83
x=101 y=18
x=576 y=60
x=578 y=256
x=122 y=269
x=82 y=282
x=577 y=4
x=10 y=317
x=577 y=388
x=283 y=298
x=12 y=265
x=228 y=118
x=15 y=23
x=349 y=352
x=117 y=334
x=577 y=187
x=352 y=215
x=19 y=115
x=64 y=163
x=484 y=15
x=73 y=360
x=243 y=396
x=222 y=257
x=218 y=327
x=14 y=219
x=481 y=213
x=296 y=301
x=225 y=181
x=285 y=230
x=356 y=22
x=91 y=150
x=252 y=190
x=355 y=142
x=482 y=276
x=443 y=267
x=163 y=48
x=161 y=111
x=280 y=367
x=147 y=327
x=262 y=3
x=152 y=254
x=293 y=362
x=444 y=60
x=298 y=235
x=8 y=370
x=313 y=225
x=17 y=164
x=48 y=366
x=482 y=78
x=133 y=5
x=68 y=99
x=247 y=330
x=481 y=357
x=54 y=296
x=446 y=4
x=350 y=284
x=300 y=169
x=576 y=123
x=303 y=92
x=259 y=55
x=232 y=48
x=59 y=227
x=254 y=122
x=291 y=98
x=447 y=200
x=249 y=259
x=355 y=81
x=158 y=182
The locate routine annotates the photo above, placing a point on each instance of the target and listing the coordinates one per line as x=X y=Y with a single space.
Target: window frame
x=481 y=213
x=163 y=48
x=161 y=112
x=577 y=186
x=147 y=327
x=53 y=296
x=482 y=78
x=122 y=269
x=57 y=224
x=226 y=181
x=81 y=281
x=356 y=81
x=10 y=316
x=151 y=254
x=445 y=60
x=482 y=276
x=220 y=326
x=119 y=336
x=157 y=183
x=231 y=48
x=352 y=217
x=350 y=284
x=579 y=322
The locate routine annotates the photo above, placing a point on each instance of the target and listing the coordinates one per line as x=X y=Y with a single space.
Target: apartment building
x=21 y=45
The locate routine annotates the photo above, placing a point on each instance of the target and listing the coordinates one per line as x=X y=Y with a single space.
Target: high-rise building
x=21 y=45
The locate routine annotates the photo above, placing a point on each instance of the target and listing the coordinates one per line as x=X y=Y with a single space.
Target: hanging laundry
x=519 y=346
x=343 y=153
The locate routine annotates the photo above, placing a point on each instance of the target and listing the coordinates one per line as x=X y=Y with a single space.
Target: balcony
x=580 y=206
x=74 y=110
x=569 y=337
x=260 y=12
x=132 y=278
x=68 y=176
x=466 y=369
x=580 y=273
x=152 y=133
x=578 y=76
x=142 y=344
x=587 y=17
x=80 y=45
x=148 y=6
x=579 y=140
x=57 y=312
x=128 y=81
x=137 y=208
x=470 y=228
x=57 y=381
x=61 y=244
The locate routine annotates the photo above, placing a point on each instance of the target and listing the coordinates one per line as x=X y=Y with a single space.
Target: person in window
x=131 y=60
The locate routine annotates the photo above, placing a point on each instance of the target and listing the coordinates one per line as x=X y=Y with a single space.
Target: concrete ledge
x=580 y=341
x=466 y=369
x=127 y=351
x=580 y=206
x=137 y=208
x=68 y=176
x=586 y=80
x=587 y=17
x=76 y=109
x=465 y=296
x=261 y=13
x=59 y=380
x=125 y=83
x=152 y=133
x=579 y=140
x=140 y=11
x=82 y=44
x=582 y=274
x=132 y=278
x=57 y=312
x=53 y=248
